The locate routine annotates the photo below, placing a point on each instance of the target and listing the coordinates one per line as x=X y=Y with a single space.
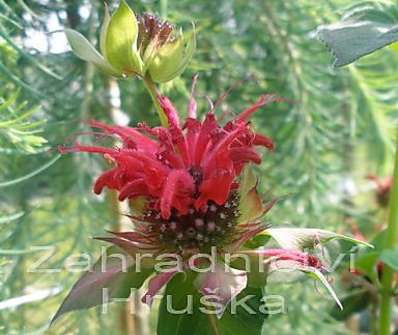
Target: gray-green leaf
x=361 y=32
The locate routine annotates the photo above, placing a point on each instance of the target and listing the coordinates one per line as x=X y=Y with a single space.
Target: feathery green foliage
x=329 y=134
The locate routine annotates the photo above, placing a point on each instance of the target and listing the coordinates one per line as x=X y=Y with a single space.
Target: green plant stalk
x=163 y=9
x=389 y=243
x=151 y=88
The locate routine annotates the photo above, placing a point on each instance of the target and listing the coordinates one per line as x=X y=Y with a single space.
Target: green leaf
x=196 y=322
x=360 y=33
x=83 y=49
x=118 y=276
x=366 y=263
x=257 y=242
x=248 y=322
x=353 y=303
x=390 y=257
x=121 y=40
x=178 y=290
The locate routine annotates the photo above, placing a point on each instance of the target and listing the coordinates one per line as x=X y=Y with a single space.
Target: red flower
x=180 y=167
x=195 y=201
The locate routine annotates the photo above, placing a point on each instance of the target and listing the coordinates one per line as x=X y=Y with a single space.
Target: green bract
x=171 y=59
x=128 y=49
x=120 y=36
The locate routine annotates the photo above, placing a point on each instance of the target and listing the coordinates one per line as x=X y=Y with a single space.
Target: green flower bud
x=143 y=47
x=171 y=59
x=118 y=44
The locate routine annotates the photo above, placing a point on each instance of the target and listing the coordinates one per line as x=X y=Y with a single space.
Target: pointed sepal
x=83 y=49
x=307 y=238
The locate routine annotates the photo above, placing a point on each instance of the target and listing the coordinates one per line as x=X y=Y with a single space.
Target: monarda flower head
x=186 y=178
x=192 y=191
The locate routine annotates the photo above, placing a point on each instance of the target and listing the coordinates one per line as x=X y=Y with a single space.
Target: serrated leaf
x=83 y=49
x=121 y=40
x=358 y=34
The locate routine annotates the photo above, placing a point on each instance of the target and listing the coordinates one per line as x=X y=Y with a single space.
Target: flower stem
x=213 y=323
x=389 y=243
x=153 y=92
x=163 y=9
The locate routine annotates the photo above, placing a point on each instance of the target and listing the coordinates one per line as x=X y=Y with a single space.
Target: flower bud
x=143 y=47
x=165 y=56
x=172 y=58
x=118 y=44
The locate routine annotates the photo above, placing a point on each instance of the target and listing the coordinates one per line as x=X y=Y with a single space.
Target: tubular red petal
x=208 y=127
x=106 y=179
x=88 y=148
x=131 y=137
x=263 y=100
x=175 y=131
x=263 y=141
x=215 y=188
x=244 y=154
x=170 y=189
x=136 y=187
x=292 y=255
x=192 y=106
x=221 y=146
x=170 y=111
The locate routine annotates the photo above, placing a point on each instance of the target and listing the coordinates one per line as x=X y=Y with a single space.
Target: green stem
x=389 y=243
x=213 y=323
x=151 y=88
x=163 y=9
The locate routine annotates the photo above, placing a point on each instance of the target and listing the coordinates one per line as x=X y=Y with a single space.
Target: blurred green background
x=335 y=128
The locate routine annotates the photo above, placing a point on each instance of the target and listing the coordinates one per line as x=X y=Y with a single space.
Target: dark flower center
x=196 y=231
